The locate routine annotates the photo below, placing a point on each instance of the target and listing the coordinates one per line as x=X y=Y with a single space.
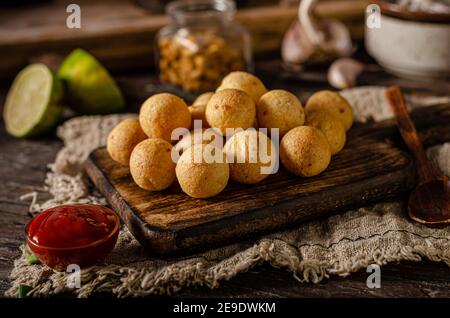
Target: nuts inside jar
x=198 y=61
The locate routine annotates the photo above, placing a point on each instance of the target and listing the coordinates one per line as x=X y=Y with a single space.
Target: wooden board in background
x=120 y=32
x=370 y=168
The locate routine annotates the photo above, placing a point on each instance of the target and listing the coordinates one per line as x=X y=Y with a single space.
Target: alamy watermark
x=74 y=277
x=73 y=20
x=374 y=279
x=373 y=16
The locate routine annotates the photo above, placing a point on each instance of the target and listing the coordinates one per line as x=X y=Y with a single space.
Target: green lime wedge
x=89 y=87
x=32 y=105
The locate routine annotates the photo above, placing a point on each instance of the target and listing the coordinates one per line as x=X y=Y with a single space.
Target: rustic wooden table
x=23 y=167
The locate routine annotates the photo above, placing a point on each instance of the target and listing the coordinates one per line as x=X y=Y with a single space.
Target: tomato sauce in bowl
x=81 y=234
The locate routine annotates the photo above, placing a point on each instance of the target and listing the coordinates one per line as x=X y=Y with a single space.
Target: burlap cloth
x=337 y=245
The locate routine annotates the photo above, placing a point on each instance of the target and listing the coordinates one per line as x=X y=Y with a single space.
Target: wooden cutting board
x=371 y=167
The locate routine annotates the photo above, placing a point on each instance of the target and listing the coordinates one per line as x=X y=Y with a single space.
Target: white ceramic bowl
x=411 y=48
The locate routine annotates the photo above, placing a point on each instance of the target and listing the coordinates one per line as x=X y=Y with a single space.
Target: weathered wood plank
x=121 y=33
x=22 y=170
x=409 y=279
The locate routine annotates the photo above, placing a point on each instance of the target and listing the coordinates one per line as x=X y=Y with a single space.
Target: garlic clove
x=310 y=40
x=338 y=40
x=343 y=73
x=296 y=48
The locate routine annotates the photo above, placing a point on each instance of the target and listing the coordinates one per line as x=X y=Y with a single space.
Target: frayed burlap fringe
x=338 y=245
x=143 y=278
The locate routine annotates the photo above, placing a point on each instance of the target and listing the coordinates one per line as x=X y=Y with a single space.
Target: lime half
x=90 y=88
x=32 y=104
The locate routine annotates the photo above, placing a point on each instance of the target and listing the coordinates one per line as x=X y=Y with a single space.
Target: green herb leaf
x=24 y=290
x=31 y=260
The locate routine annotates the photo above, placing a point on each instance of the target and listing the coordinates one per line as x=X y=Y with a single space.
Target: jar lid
x=196 y=10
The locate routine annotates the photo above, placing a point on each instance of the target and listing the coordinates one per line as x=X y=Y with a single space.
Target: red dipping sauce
x=81 y=234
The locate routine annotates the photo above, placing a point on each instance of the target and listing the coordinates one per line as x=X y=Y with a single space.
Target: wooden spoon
x=429 y=202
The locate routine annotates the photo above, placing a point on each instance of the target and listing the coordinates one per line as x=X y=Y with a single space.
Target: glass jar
x=201 y=45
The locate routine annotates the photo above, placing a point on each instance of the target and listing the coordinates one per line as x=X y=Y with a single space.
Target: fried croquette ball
x=280 y=109
x=305 y=151
x=255 y=123
x=162 y=113
x=151 y=164
x=198 y=108
x=333 y=103
x=200 y=177
x=331 y=127
x=246 y=82
x=203 y=99
x=198 y=113
x=123 y=138
x=230 y=108
x=249 y=154
x=199 y=136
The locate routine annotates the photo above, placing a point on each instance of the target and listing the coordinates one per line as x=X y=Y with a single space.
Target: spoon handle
x=409 y=134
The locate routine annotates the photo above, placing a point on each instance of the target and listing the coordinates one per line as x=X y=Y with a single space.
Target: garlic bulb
x=311 y=40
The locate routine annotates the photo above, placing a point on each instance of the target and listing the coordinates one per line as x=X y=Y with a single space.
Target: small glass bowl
x=84 y=255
